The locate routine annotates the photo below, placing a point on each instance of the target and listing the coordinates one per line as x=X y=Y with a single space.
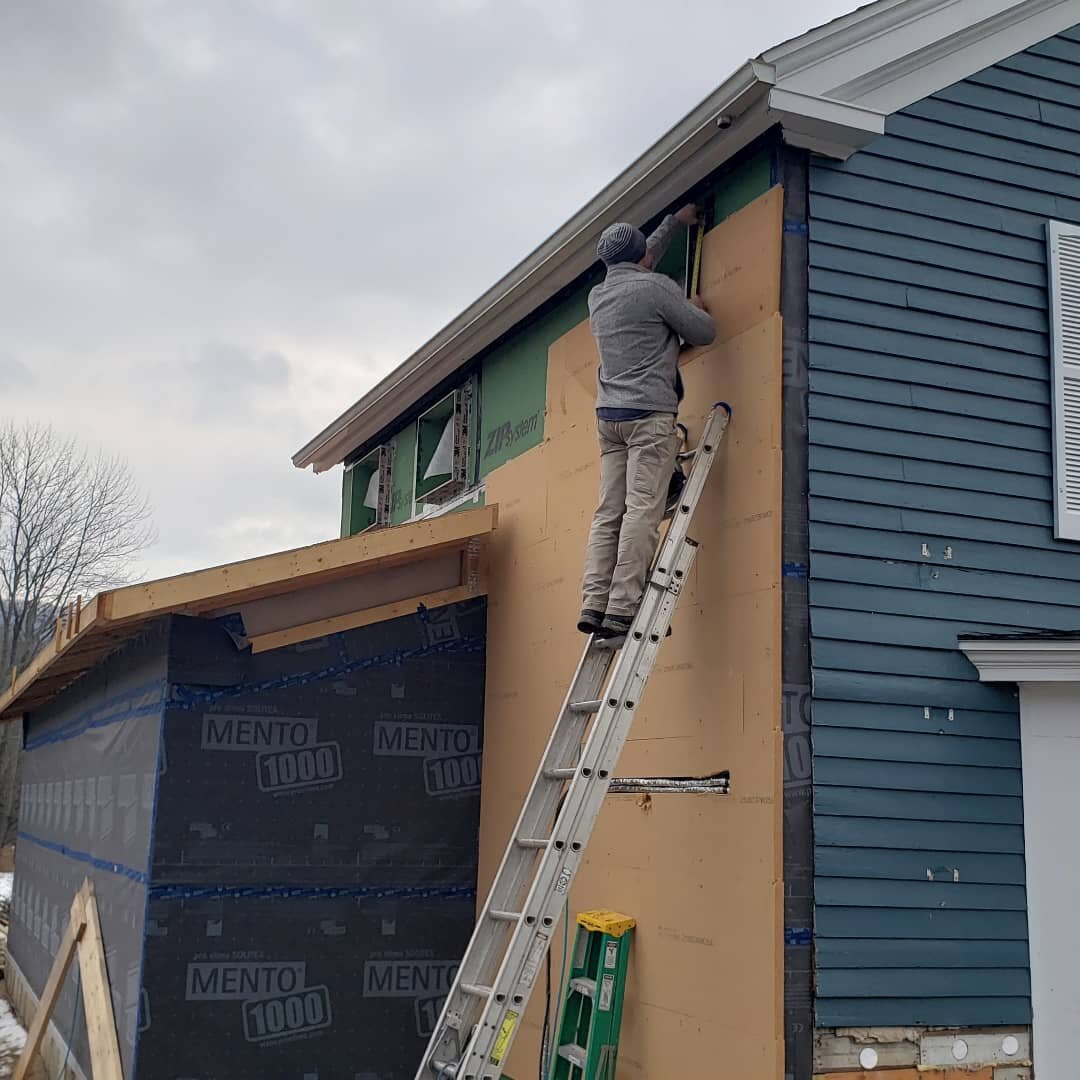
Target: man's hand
x=698 y=303
x=688 y=215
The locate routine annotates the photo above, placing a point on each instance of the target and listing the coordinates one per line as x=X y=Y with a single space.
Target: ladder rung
x=587 y=706
x=532 y=842
x=560 y=774
x=574 y=1054
x=504 y=916
x=475 y=990
x=584 y=986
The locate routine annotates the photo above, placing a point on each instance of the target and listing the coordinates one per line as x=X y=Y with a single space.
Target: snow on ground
x=12 y=1039
x=12 y=1036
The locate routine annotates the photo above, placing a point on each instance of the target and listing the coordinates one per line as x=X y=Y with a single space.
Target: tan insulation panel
x=702 y=874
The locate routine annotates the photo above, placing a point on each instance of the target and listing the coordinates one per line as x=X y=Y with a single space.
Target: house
x=881 y=626
x=270 y=771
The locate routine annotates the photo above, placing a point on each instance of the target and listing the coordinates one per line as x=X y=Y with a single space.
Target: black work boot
x=589 y=621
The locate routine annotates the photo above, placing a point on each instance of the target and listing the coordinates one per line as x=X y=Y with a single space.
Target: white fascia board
x=834 y=128
x=918 y=74
x=688 y=153
x=884 y=38
x=1024 y=661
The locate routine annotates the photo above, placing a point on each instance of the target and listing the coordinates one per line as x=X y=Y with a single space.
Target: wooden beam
x=279 y=638
x=61 y=963
x=288 y=570
x=97 y=1000
x=223 y=587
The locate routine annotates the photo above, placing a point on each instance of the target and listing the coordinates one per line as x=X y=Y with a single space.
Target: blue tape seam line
x=146 y=898
x=795 y=570
x=158 y=892
x=185 y=696
x=798 y=227
x=120 y=869
x=312 y=892
x=94 y=718
x=798 y=935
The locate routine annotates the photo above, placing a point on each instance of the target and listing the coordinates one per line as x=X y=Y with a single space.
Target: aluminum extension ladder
x=485 y=1005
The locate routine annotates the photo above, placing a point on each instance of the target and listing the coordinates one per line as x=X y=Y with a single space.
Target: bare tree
x=71 y=523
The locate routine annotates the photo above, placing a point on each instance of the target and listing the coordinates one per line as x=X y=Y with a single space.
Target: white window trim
x=1004 y=660
x=1049 y=711
x=1066 y=521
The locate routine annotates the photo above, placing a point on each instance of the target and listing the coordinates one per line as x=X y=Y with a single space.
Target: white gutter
x=726 y=121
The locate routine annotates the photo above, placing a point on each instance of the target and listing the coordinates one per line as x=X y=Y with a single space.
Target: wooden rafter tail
x=78 y=613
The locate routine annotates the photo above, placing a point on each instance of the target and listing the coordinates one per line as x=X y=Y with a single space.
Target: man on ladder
x=637 y=318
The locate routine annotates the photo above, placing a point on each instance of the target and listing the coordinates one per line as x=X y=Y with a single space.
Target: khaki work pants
x=636 y=461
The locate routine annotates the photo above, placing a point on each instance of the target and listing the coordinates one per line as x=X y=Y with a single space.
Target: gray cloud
x=13 y=374
x=221 y=223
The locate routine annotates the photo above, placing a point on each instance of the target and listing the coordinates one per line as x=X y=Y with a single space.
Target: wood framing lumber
x=97 y=1000
x=61 y=964
x=83 y=935
x=355 y=619
x=111 y=618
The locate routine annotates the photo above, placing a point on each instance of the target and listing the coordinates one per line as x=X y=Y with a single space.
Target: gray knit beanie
x=621 y=243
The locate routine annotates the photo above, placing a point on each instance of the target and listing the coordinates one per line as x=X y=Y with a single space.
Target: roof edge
x=690 y=150
x=87 y=634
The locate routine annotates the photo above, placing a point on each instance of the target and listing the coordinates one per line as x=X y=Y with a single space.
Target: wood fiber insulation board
x=694 y=870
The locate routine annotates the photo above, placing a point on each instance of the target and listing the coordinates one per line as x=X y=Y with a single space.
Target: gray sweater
x=637 y=317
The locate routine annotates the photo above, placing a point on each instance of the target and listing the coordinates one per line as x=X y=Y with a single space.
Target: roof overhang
x=829 y=90
x=718 y=128
x=283 y=599
x=1024 y=659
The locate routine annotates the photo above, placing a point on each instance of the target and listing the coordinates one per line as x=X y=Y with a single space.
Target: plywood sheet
x=713 y=703
x=740 y=265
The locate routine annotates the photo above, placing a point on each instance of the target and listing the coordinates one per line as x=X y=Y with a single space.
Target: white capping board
x=1030 y=660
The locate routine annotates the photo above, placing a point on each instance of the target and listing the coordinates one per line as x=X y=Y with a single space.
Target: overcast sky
x=222 y=221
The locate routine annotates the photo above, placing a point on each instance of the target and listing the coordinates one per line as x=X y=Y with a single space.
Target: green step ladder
x=587 y=1044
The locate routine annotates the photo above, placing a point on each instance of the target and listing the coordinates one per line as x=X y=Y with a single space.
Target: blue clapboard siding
x=930 y=425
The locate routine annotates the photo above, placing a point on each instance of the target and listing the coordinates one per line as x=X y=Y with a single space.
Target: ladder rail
x=519 y=918
x=507 y=893
x=562 y=859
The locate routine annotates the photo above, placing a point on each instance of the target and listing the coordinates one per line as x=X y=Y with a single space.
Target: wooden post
x=83 y=933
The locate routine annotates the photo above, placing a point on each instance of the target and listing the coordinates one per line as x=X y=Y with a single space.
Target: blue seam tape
x=85 y=857
x=795 y=570
x=312 y=892
x=103 y=715
x=185 y=696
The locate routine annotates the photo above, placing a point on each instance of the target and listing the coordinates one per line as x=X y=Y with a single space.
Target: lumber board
x=61 y=964
x=289 y=570
x=97 y=1000
x=335 y=625
x=113 y=617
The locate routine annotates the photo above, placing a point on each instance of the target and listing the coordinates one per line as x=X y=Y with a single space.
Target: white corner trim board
x=1031 y=660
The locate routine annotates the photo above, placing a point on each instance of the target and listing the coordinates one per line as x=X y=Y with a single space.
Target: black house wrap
x=283 y=844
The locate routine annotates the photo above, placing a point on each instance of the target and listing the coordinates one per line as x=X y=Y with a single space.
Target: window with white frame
x=1064 y=252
